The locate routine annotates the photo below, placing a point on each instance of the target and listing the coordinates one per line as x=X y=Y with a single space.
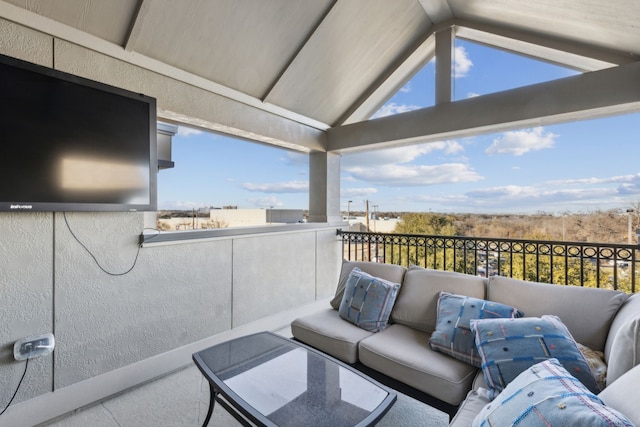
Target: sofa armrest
x=621 y=395
x=470 y=407
x=622 y=351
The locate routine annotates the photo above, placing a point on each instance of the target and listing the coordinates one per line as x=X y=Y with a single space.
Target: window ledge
x=192 y=236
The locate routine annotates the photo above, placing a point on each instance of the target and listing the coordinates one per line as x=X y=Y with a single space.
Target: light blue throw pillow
x=453 y=334
x=510 y=346
x=547 y=395
x=368 y=300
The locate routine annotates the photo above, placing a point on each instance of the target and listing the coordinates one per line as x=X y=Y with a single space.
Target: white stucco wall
x=272 y=273
x=26 y=298
x=176 y=295
x=104 y=322
x=252 y=217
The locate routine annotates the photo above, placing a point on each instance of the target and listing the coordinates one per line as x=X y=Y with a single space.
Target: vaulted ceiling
x=327 y=63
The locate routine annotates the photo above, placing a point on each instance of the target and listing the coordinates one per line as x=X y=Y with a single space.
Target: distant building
x=248 y=217
x=385 y=225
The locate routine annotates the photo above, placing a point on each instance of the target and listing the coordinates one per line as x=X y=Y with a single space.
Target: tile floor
x=181 y=399
x=176 y=400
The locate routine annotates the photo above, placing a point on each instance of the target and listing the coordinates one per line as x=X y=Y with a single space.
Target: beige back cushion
x=390 y=272
x=417 y=303
x=587 y=312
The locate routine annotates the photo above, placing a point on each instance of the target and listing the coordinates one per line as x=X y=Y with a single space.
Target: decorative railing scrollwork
x=601 y=265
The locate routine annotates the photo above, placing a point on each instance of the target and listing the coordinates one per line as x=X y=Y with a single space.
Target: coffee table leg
x=212 y=402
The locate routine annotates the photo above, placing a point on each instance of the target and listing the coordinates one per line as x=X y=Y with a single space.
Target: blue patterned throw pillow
x=453 y=334
x=368 y=300
x=547 y=395
x=510 y=346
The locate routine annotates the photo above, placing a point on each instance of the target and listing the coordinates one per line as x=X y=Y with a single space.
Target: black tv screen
x=72 y=144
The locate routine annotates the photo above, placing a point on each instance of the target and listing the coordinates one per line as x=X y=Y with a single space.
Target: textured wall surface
x=26 y=299
x=329 y=262
x=176 y=295
x=25 y=44
x=26 y=257
x=272 y=273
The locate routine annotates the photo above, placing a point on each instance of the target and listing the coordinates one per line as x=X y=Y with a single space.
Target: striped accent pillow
x=547 y=395
x=368 y=300
x=510 y=346
x=453 y=334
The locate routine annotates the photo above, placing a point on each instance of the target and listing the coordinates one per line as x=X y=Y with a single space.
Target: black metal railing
x=600 y=265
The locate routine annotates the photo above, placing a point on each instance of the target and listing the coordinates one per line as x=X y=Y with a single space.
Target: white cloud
x=538 y=195
x=573 y=194
x=461 y=62
x=187 y=131
x=398 y=154
x=612 y=179
x=508 y=191
x=449 y=147
x=266 y=202
x=472 y=95
x=392 y=108
x=278 y=187
x=619 y=185
x=180 y=205
x=522 y=141
x=406 y=88
x=355 y=193
x=392 y=167
x=416 y=175
x=459 y=200
x=516 y=198
x=292 y=158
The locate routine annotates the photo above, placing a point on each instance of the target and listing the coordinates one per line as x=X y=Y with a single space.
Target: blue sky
x=572 y=167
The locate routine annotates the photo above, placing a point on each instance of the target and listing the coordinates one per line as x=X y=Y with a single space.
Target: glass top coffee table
x=268 y=380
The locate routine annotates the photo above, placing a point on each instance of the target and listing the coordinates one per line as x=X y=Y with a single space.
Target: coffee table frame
x=245 y=414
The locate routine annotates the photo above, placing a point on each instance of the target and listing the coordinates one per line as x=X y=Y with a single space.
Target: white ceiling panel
x=610 y=24
x=357 y=42
x=327 y=62
x=244 y=45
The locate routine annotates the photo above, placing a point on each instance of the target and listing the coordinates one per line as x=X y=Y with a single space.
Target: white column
x=324 y=187
x=444 y=63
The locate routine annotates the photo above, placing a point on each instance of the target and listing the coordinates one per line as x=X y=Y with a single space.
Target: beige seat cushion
x=403 y=353
x=392 y=273
x=327 y=332
x=587 y=312
x=417 y=303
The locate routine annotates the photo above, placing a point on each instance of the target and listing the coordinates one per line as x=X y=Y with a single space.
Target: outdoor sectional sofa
x=602 y=320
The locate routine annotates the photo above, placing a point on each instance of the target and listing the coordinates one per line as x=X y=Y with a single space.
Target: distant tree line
x=540 y=262
x=599 y=226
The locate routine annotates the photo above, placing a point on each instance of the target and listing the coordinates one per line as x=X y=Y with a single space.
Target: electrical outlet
x=30 y=347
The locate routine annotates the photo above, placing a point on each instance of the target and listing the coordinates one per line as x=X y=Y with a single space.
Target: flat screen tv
x=72 y=144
